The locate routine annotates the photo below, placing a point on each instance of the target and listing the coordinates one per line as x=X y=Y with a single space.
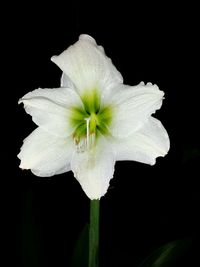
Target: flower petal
x=50 y=109
x=66 y=82
x=94 y=169
x=132 y=106
x=150 y=142
x=45 y=154
x=87 y=66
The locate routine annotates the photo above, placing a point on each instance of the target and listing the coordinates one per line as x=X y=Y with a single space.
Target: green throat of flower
x=90 y=120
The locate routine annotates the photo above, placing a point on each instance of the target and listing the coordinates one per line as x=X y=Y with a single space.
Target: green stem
x=94 y=234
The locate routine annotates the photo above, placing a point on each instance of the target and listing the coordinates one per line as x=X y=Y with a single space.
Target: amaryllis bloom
x=91 y=121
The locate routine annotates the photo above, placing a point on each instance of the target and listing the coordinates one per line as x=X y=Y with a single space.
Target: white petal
x=65 y=81
x=150 y=142
x=87 y=66
x=132 y=106
x=45 y=154
x=50 y=109
x=94 y=169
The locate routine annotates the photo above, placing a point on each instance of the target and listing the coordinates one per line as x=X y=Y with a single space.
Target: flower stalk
x=94 y=233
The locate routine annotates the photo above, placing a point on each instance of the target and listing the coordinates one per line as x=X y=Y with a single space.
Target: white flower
x=91 y=121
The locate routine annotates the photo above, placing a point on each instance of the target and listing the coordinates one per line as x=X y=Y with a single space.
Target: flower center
x=90 y=121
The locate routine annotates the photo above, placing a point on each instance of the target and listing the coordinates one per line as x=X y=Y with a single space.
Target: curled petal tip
x=87 y=37
x=53 y=58
x=20 y=101
x=149 y=83
x=22 y=167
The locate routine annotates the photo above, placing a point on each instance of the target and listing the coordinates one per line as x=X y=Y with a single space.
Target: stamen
x=87 y=141
x=92 y=139
x=87 y=132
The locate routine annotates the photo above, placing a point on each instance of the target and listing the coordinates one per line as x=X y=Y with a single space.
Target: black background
x=145 y=206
